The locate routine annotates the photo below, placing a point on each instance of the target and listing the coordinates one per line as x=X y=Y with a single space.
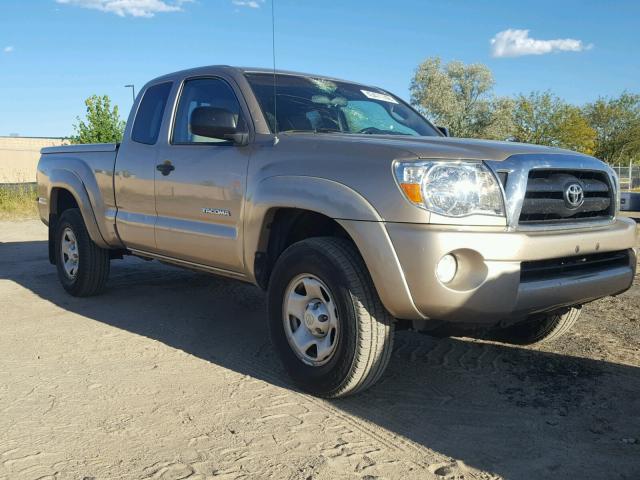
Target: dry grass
x=18 y=201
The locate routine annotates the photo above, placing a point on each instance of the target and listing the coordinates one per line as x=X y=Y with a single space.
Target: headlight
x=453 y=189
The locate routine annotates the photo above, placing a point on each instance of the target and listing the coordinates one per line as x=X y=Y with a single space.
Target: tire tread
x=536 y=332
x=375 y=326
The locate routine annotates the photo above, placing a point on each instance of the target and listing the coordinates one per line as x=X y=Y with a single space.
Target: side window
x=204 y=92
x=149 y=117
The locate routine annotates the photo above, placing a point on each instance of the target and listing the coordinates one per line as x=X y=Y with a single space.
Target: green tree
x=534 y=116
x=545 y=119
x=617 y=124
x=460 y=97
x=103 y=123
x=574 y=132
x=502 y=126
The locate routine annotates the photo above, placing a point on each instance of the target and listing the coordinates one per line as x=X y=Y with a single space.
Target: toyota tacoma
x=353 y=212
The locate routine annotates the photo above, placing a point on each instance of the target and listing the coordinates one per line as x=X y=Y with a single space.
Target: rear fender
x=67 y=180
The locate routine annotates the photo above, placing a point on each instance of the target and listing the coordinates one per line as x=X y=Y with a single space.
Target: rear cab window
x=146 y=126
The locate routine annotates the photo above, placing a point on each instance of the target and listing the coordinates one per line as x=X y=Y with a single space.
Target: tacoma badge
x=217 y=211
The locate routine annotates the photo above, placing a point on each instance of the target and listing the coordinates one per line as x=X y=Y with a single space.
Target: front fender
x=351 y=210
x=320 y=195
x=331 y=198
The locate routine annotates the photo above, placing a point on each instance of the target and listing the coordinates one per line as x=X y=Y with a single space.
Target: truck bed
x=87 y=171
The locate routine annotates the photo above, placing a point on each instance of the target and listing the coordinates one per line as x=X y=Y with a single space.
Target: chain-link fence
x=629 y=176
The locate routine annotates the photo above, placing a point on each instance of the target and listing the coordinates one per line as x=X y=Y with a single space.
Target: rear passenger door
x=199 y=196
x=134 y=175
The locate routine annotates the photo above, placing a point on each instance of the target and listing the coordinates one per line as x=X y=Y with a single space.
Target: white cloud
x=134 y=8
x=248 y=3
x=8 y=49
x=515 y=43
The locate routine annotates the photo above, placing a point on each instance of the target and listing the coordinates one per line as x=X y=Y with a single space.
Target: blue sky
x=55 y=53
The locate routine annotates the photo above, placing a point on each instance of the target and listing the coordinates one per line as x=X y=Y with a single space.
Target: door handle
x=165 y=167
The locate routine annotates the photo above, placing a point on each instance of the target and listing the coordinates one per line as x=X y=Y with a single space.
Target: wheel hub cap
x=316 y=318
x=310 y=319
x=69 y=253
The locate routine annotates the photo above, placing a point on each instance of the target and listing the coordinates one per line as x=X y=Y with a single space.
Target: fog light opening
x=447 y=268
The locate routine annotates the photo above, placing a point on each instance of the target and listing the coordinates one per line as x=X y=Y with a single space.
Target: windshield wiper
x=384 y=132
x=315 y=130
x=327 y=130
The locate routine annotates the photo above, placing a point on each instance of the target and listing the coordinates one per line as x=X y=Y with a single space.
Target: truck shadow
x=507 y=410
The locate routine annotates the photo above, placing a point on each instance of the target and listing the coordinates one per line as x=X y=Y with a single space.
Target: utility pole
x=133 y=92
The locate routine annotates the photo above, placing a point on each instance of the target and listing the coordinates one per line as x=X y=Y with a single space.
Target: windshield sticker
x=379 y=96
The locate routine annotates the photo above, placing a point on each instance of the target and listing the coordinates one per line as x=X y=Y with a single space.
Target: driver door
x=200 y=184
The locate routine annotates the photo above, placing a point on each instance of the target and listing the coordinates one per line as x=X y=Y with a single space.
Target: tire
x=540 y=330
x=91 y=262
x=361 y=338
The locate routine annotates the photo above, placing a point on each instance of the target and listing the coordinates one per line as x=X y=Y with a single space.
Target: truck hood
x=363 y=164
x=459 y=148
x=442 y=147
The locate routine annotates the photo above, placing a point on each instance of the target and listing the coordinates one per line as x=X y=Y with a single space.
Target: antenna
x=273 y=51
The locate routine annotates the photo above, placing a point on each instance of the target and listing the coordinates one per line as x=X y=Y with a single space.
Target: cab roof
x=234 y=70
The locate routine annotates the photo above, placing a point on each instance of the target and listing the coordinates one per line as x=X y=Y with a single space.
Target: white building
x=19 y=157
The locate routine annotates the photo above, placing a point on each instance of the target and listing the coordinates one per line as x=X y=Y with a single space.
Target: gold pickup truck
x=352 y=211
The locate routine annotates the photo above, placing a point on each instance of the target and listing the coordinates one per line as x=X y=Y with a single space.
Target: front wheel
x=540 y=329
x=326 y=320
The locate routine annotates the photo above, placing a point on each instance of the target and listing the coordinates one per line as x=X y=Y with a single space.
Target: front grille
x=576 y=265
x=546 y=199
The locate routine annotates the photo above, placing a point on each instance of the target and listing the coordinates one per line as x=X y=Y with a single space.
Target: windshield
x=311 y=104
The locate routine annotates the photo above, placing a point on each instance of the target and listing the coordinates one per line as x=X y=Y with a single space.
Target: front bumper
x=488 y=288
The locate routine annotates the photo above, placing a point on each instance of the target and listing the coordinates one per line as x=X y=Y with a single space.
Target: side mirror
x=444 y=131
x=218 y=123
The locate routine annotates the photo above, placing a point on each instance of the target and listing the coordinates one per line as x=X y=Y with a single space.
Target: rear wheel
x=327 y=323
x=538 y=330
x=83 y=267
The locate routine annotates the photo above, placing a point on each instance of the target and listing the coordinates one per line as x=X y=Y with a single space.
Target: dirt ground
x=170 y=375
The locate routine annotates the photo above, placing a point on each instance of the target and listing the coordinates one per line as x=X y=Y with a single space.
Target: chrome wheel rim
x=69 y=253
x=310 y=319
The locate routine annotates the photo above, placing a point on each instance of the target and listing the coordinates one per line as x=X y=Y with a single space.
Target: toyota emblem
x=574 y=195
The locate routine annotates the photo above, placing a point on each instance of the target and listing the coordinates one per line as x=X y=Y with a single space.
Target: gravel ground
x=170 y=375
